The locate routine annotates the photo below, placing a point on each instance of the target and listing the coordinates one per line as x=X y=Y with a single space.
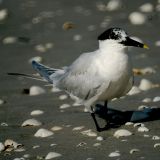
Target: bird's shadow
x=117 y=118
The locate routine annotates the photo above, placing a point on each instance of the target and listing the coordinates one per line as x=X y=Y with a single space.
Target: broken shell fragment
x=56 y=128
x=52 y=155
x=114 y=154
x=43 y=133
x=133 y=151
x=122 y=133
x=36 y=112
x=31 y=122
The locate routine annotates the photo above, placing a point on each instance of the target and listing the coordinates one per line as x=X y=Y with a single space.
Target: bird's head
x=120 y=36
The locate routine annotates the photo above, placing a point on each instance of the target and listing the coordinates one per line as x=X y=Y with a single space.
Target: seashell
x=114 y=154
x=36 y=146
x=63 y=97
x=77 y=37
x=36 y=90
x=9 y=40
x=134 y=90
x=56 y=128
x=3 y=14
x=31 y=122
x=122 y=133
x=78 y=128
x=89 y=133
x=99 y=138
x=137 y=18
x=129 y=123
x=1 y=147
x=9 y=143
x=147 y=100
x=133 y=151
x=156 y=145
x=36 y=112
x=96 y=144
x=145 y=84
x=2 y=101
x=113 y=5
x=156 y=99
x=142 y=107
x=4 y=124
x=43 y=133
x=156 y=138
x=37 y=59
x=138 y=125
x=147 y=7
x=143 y=129
x=52 y=155
x=64 y=106
x=53 y=144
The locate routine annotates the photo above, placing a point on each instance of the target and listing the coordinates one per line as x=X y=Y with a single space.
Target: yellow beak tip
x=145 y=46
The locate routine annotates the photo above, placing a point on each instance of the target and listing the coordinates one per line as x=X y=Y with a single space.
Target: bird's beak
x=131 y=42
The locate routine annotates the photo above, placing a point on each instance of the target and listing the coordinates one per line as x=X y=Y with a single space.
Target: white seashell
x=129 y=123
x=145 y=84
x=143 y=129
x=4 y=124
x=156 y=99
x=138 y=125
x=37 y=59
x=36 y=90
x=147 y=7
x=96 y=144
x=156 y=145
x=122 y=133
x=1 y=147
x=36 y=112
x=9 y=143
x=113 y=5
x=9 y=40
x=157 y=43
x=52 y=155
x=2 y=101
x=3 y=14
x=53 y=144
x=43 y=133
x=134 y=90
x=81 y=144
x=114 y=154
x=99 y=138
x=56 y=128
x=64 y=106
x=31 y=122
x=63 y=97
x=133 y=151
x=77 y=37
x=147 y=100
x=137 y=18
x=78 y=128
x=89 y=133
x=142 y=107
x=156 y=138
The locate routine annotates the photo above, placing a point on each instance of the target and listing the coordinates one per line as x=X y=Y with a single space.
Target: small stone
x=156 y=145
x=37 y=59
x=114 y=154
x=3 y=14
x=56 y=128
x=36 y=90
x=147 y=100
x=31 y=122
x=122 y=133
x=138 y=125
x=156 y=99
x=9 y=40
x=99 y=138
x=78 y=128
x=137 y=18
x=147 y=7
x=134 y=90
x=53 y=144
x=145 y=84
x=156 y=138
x=36 y=112
x=129 y=123
x=89 y=133
x=63 y=97
x=1 y=147
x=52 y=155
x=133 y=151
x=43 y=133
x=143 y=129
x=64 y=106
x=20 y=149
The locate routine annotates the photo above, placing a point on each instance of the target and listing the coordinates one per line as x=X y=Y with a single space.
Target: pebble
x=43 y=133
x=147 y=100
x=9 y=40
x=64 y=106
x=3 y=14
x=143 y=129
x=63 y=97
x=133 y=151
x=156 y=145
x=36 y=112
x=145 y=84
x=78 y=128
x=138 y=125
x=122 y=133
x=52 y=155
x=52 y=145
x=113 y=5
x=134 y=90
x=56 y=128
x=137 y=18
x=89 y=133
x=31 y=122
x=114 y=154
x=99 y=138
x=147 y=7
x=129 y=123
x=37 y=59
x=156 y=99
x=36 y=90
x=77 y=37
x=1 y=147
x=156 y=138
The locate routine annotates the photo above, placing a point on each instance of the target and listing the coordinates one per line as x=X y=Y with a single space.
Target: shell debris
x=3 y=14
x=9 y=40
x=156 y=145
x=143 y=129
x=43 y=133
x=56 y=128
x=78 y=128
x=89 y=133
x=133 y=151
x=36 y=90
x=52 y=155
x=63 y=97
x=114 y=5
x=68 y=25
x=134 y=90
x=31 y=122
x=64 y=106
x=138 y=125
x=36 y=112
x=122 y=133
x=99 y=138
x=156 y=99
x=114 y=154
x=155 y=138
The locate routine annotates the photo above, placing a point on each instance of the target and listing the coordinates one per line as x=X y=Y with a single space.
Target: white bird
x=96 y=76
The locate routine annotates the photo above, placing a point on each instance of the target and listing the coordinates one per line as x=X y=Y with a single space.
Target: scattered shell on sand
x=114 y=154
x=143 y=129
x=36 y=146
x=37 y=59
x=96 y=144
x=56 y=128
x=31 y=122
x=99 y=138
x=10 y=145
x=9 y=40
x=26 y=155
x=81 y=144
x=63 y=97
x=2 y=101
x=4 y=124
x=78 y=128
x=156 y=145
x=36 y=112
x=64 y=106
x=68 y=25
x=147 y=7
x=156 y=138
x=147 y=100
x=43 y=133
x=129 y=123
x=134 y=90
x=36 y=90
x=40 y=48
x=122 y=133
x=142 y=107
x=133 y=151
x=113 y=5
x=1 y=147
x=145 y=84
x=138 y=125
x=53 y=144
x=156 y=99
x=3 y=14
x=157 y=43
x=52 y=155
x=89 y=133
x=137 y=18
